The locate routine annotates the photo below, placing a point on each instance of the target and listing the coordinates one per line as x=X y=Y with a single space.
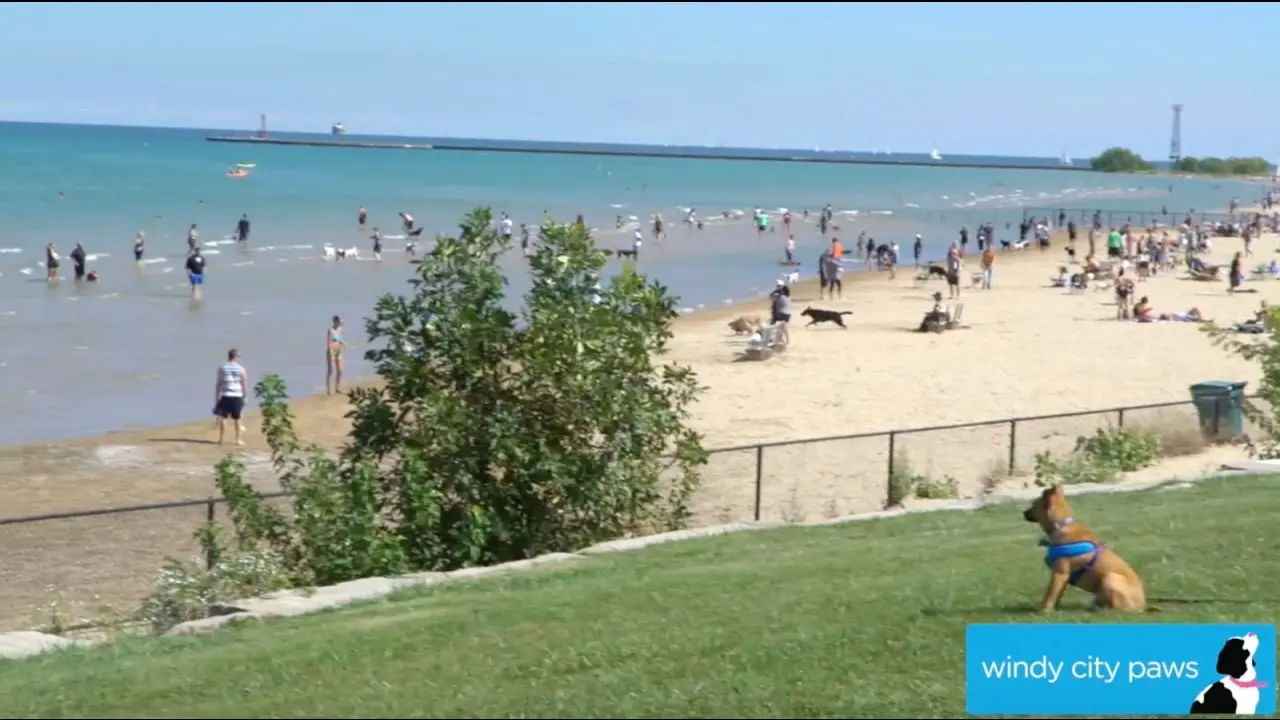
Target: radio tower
x=1175 y=141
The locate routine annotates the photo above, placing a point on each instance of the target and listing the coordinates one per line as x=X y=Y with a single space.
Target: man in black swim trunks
x=195 y=273
x=242 y=229
x=77 y=261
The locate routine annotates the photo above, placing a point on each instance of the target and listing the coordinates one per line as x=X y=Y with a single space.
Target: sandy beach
x=1027 y=350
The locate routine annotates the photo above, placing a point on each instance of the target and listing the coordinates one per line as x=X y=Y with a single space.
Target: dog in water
x=816 y=316
x=333 y=253
x=621 y=253
x=745 y=325
x=1075 y=556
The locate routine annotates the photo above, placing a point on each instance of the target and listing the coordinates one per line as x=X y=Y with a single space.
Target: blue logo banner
x=1120 y=669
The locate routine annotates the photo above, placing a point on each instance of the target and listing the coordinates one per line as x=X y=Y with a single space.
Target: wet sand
x=1026 y=350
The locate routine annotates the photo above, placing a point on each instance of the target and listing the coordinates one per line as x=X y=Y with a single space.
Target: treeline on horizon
x=1119 y=159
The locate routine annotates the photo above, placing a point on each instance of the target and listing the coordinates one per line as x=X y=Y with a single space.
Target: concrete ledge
x=291 y=603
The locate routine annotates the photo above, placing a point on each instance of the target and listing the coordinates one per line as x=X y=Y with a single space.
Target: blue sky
x=1008 y=78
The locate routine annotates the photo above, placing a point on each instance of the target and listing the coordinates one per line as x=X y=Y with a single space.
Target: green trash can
x=1220 y=405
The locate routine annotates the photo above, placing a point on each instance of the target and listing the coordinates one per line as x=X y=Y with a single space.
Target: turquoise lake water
x=132 y=350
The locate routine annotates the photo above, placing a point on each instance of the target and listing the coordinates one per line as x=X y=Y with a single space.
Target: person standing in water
x=377 y=244
x=51 y=262
x=193 y=238
x=334 y=345
x=195 y=273
x=242 y=230
x=362 y=215
x=78 y=259
x=228 y=395
x=139 y=247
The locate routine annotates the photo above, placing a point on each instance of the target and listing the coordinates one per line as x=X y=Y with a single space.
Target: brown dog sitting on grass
x=1076 y=556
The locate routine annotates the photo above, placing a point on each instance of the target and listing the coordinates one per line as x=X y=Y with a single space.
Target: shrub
x=904 y=482
x=185 y=591
x=494 y=435
x=1099 y=458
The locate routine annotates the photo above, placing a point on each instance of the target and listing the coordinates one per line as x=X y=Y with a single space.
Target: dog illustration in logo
x=1237 y=692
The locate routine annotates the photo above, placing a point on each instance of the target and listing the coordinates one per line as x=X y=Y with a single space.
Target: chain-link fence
x=65 y=568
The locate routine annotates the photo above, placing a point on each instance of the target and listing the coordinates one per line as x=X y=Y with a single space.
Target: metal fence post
x=1120 y=418
x=1013 y=446
x=210 y=515
x=888 y=480
x=759 y=478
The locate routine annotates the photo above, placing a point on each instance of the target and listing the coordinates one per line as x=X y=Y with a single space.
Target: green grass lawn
x=861 y=620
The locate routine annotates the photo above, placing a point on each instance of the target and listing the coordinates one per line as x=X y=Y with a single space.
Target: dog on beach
x=934 y=271
x=333 y=253
x=1075 y=556
x=415 y=232
x=745 y=325
x=816 y=316
x=621 y=253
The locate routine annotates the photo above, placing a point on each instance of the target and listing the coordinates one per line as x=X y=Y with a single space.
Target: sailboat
x=1066 y=159
x=935 y=156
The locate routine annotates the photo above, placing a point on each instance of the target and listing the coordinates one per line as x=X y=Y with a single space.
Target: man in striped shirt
x=229 y=392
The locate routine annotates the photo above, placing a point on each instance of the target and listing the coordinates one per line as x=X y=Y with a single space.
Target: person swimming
x=334 y=344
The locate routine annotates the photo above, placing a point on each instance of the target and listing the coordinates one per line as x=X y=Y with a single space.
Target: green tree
x=1263 y=349
x=1118 y=159
x=494 y=435
x=1224 y=166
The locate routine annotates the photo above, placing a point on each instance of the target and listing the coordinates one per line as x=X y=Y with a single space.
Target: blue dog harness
x=1060 y=551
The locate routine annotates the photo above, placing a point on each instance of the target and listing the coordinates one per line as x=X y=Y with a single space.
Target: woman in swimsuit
x=334 y=345
x=51 y=262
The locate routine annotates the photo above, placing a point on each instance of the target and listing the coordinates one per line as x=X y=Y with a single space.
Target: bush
x=185 y=591
x=904 y=482
x=1118 y=159
x=494 y=435
x=1099 y=458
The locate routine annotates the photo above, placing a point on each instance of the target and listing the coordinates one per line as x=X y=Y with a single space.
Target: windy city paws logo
x=1120 y=669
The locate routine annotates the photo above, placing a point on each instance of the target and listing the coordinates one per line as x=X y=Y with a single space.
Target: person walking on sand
x=953 y=270
x=988 y=266
x=334 y=345
x=228 y=395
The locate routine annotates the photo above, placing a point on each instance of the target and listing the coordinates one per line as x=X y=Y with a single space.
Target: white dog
x=333 y=253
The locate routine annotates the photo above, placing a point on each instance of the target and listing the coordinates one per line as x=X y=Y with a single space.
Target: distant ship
x=338 y=129
x=1066 y=159
x=935 y=156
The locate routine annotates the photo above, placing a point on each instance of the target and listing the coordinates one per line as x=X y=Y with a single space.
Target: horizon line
x=570 y=143
x=1157 y=160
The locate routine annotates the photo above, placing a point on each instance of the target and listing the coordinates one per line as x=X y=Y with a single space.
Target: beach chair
x=764 y=343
